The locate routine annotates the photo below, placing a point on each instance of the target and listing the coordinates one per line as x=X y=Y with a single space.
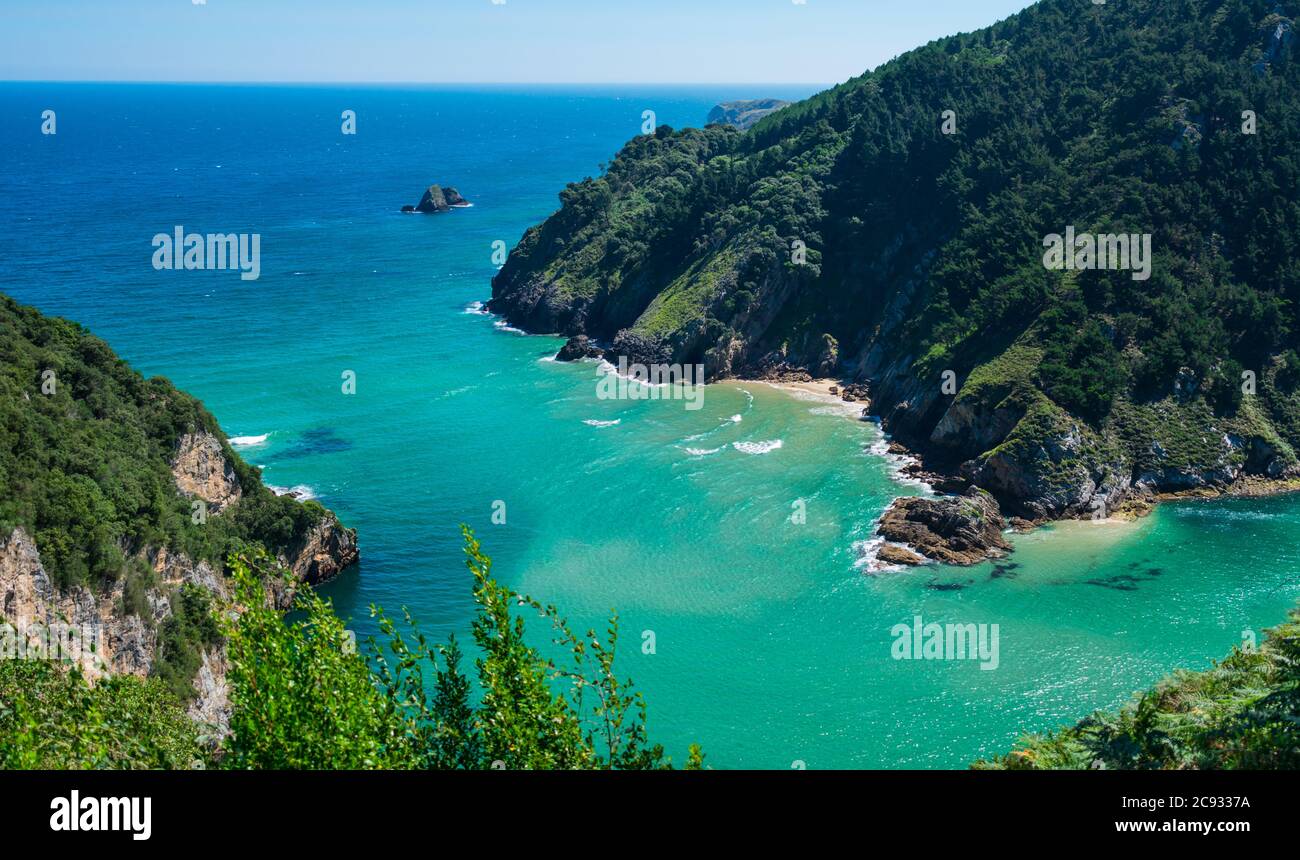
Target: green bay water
x=772 y=640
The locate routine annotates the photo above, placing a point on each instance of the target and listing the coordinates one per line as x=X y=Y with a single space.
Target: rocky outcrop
x=951 y=529
x=104 y=637
x=98 y=634
x=744 y=113
x=437 y=199
x=891 y=554
x=202 y=471
x=325 y=551
x=579 y=347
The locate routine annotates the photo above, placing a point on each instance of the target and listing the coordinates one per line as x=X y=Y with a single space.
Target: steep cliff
x=896 y=231
x=120 y=498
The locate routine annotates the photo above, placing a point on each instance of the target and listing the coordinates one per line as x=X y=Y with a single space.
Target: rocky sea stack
x=963 y=529
x=438 y=199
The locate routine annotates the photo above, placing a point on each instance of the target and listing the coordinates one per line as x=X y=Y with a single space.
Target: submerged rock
x=962 y=529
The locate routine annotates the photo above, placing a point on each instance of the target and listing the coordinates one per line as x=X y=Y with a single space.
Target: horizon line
x=418 y=83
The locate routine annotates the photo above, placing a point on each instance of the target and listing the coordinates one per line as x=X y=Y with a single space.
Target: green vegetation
x=925 y=249
x=86 y=445
x=302 y=699
x=52 y=719
x=85 y=450
x=1239 y=714
x=190 y=630
x=302 y=696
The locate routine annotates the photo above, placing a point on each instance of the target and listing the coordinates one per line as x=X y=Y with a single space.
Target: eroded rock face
x=211 y=705
x=109 y=642
x=327 y=549
x=113 y=641
x=202 y=472
x=962 y=529
x=971 y=426
x=578 y=347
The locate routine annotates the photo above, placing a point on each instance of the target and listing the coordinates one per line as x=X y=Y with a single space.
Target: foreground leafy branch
x=302 y=699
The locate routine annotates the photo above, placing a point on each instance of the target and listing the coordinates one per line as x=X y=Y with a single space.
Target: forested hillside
x=892 y=229
x=120 y=500
x=87 y=452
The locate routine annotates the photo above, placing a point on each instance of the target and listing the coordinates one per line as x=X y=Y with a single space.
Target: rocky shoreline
x=957 y=527
x=961 y=530
x=953 y=545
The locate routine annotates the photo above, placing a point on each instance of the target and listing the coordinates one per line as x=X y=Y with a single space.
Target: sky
x=473 y=41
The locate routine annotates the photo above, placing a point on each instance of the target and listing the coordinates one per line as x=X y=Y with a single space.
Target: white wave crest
x=592 y=422
x=301 y=492
x=758 y=447
x=869 y=555
x=248 y=441
x=897 y=463
x=703 y=452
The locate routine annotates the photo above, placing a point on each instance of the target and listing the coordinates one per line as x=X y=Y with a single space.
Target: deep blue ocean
x=772 y=643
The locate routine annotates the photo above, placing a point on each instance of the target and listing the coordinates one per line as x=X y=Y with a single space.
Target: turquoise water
x=771 y=644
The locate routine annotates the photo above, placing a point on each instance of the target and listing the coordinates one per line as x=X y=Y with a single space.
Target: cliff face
x=203 y=472
x=323 y=552
x=115 y=636
x=31 y=601
x=102 y=543
x=891 y=232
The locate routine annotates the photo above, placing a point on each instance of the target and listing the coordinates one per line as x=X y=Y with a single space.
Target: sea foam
x=758 y=447
x=301 y=492
x=703 y=452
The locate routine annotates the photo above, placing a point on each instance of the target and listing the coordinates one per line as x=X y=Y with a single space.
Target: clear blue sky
x=598 y=41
